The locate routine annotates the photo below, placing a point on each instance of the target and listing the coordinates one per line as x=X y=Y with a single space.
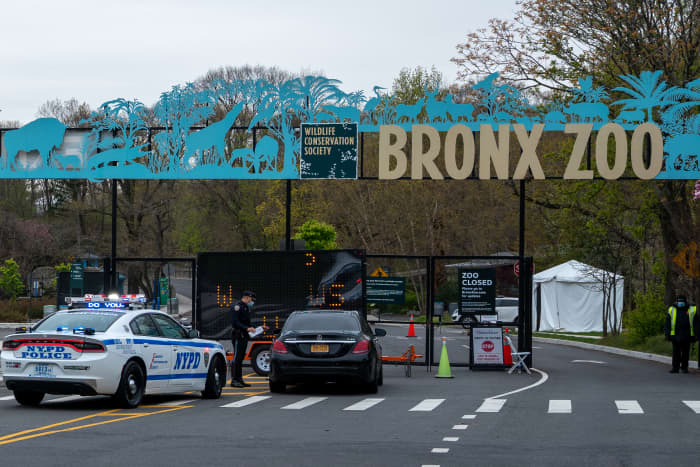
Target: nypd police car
x=114 y=347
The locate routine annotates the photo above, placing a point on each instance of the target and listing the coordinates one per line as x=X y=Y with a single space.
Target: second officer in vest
x=680 y=328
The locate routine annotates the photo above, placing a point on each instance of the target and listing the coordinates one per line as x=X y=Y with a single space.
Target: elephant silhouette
x=42 y=134
x=266 y=151
x=213 y=136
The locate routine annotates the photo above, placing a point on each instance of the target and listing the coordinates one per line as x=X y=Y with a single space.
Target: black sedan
x=326 y=345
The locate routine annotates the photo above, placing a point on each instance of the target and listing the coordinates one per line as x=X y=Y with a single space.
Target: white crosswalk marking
x=695 y=405
x=364 y=404
x=628 y=407
x=559 y=406
x=468 y=417
x=302 y=404
x=247 y=401
x=440 y=450
x=451 y=439
x=7 y=398
x=427 y=405
x=492 y=405
x=460 y=427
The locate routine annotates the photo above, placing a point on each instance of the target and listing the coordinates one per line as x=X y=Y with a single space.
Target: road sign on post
x=387 y=290
x=77 y=279
x=164 y=290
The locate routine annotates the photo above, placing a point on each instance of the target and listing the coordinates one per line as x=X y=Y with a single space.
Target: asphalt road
x=251 y=426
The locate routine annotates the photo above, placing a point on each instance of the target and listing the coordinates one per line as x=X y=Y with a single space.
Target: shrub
x=11 y=284
x=647 y=319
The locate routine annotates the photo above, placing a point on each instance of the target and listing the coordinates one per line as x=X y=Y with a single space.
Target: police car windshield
x=100 y=321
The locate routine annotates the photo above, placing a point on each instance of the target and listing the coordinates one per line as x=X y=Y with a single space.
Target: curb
x=613 y=350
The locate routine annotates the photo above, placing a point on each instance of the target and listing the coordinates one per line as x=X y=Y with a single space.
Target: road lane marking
x=559 y=406
x=120 y=417
x=459 y=427
x=451 y=439
x=440 y=450
x=598 y=362
x=364 y=404
x=629 y=407
x=174 y=403
x=427 y=405
x=695 y=405
x=468 y=417
x=491 y=405
x=248 y=401
x=542 y=380
x=302 y=404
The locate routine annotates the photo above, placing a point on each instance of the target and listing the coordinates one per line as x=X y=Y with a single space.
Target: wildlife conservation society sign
x=477 y=292
x=329 y=150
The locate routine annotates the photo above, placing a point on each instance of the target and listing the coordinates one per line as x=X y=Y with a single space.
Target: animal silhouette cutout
x=589 y=111
x=67 y=161
x=683 y=151
x=266 y=151
x=437 y=110
x=117 y=156
x=457 y=111
x=372 y=104
x=343 y=112
x=409 y=112
x=631 y=116
x=213 y=136
x=42 y=134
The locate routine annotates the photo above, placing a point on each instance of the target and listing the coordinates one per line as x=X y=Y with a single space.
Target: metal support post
x=288 y=228
x=113 y=263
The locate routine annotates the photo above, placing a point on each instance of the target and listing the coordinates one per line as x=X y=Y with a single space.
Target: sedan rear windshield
x=310 y=322
x=100 y=321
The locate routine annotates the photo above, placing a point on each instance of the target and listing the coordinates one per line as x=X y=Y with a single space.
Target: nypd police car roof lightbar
x=113 y=302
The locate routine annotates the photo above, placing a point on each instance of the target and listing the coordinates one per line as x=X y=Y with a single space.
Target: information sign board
x=477 y=292
x=487 y=346
x=389 y=290
x=329 y=150
x=77 y=277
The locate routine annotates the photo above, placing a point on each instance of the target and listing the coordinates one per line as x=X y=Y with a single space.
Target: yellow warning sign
x=687 y=260
x=379 y=272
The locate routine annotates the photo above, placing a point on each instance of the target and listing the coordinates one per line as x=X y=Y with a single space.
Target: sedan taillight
x=361 y=347
x=279 y=347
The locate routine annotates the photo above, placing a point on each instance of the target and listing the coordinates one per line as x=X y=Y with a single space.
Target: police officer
x=680 y=326
x=240 y=320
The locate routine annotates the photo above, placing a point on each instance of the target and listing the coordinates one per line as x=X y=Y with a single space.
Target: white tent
x=571 y=298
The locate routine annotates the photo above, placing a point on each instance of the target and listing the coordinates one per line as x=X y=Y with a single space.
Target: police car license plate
x=43 y=371
x=319 y=347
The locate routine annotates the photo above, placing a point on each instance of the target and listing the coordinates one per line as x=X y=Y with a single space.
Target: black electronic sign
x=284 y=281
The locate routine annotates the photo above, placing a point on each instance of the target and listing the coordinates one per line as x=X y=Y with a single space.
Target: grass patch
x=655 y=344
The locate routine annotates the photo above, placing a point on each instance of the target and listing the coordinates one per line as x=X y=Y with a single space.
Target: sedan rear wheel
x=131 y=387
x=30 y=398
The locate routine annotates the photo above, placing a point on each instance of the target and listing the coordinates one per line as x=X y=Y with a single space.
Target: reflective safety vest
x=672 y=314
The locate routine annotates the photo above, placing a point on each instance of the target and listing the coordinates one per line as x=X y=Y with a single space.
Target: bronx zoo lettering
x=494 y=151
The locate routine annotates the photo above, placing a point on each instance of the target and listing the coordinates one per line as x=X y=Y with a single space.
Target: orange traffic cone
x=411 y=329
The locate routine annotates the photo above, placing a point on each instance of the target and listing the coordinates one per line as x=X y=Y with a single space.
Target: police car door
x=187 y=361
x=154 y=350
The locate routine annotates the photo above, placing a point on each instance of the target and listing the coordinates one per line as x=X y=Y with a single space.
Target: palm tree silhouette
x=646 y=91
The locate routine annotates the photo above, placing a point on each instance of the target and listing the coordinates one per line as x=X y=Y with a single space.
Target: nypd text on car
x=111 y=346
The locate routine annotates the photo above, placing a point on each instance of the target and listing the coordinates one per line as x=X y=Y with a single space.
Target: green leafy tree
x=11 y=283
x=317 y=235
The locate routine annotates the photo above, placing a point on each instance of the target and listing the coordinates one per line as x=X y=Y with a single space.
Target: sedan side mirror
x=192 y=333
x=379 y=332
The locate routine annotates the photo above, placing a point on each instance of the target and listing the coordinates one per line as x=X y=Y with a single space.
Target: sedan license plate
x=319 y=347
x=45 y=371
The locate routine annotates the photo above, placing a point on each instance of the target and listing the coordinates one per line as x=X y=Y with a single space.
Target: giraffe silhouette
x=212 y=136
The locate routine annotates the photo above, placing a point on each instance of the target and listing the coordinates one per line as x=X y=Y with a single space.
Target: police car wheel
x=216 y=378
x=131 y=386
x=30 y=398
x=260 y=360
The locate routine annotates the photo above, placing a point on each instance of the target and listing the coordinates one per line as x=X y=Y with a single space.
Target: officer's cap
x=249 y=293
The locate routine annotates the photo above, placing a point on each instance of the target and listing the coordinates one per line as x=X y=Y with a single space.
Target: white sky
x=97 y=50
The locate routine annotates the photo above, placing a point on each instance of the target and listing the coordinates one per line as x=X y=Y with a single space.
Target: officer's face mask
x=681 y=304
x=251 y=303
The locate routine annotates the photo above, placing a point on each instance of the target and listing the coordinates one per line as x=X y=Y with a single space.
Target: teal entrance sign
x=387 y=290
x=642 y=128
x=164 y=290
x=329 y=150
x=77 y=279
